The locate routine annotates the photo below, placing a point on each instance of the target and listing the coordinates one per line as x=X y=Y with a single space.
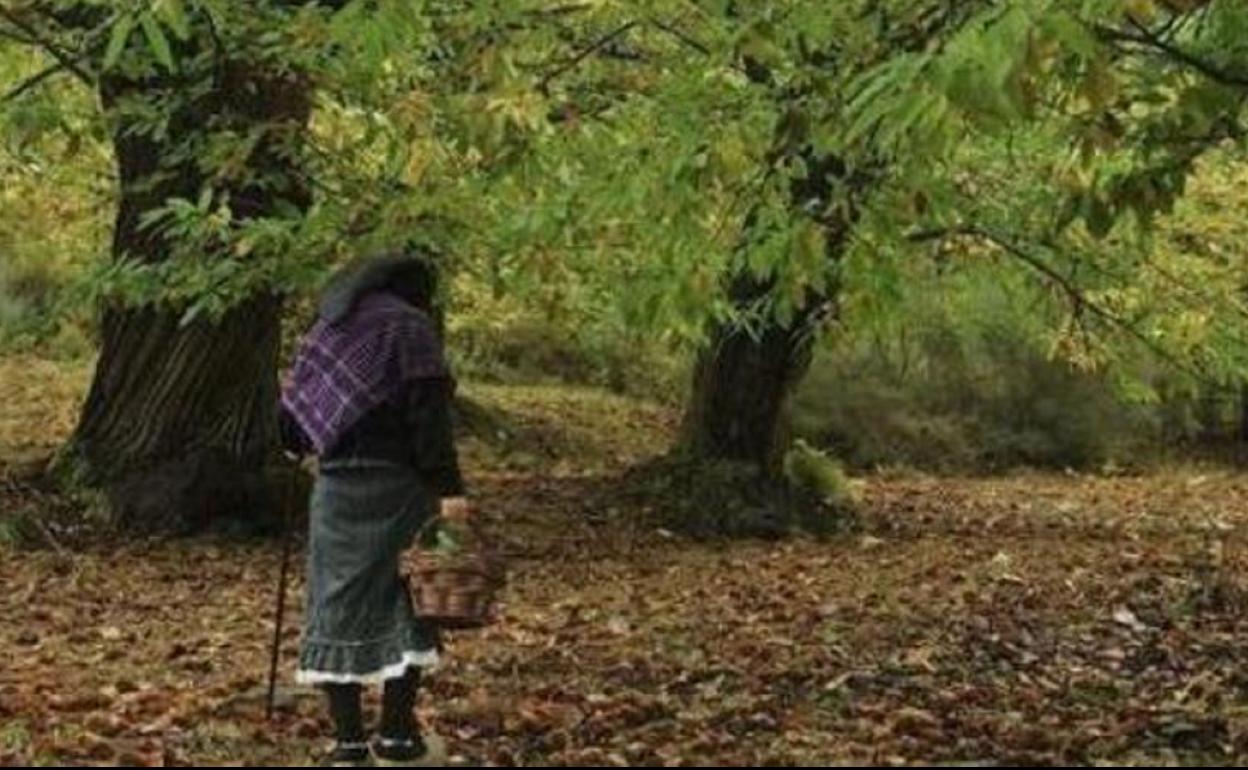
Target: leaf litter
x=1026 y=620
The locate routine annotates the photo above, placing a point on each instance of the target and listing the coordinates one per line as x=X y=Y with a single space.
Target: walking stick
x=280 y=612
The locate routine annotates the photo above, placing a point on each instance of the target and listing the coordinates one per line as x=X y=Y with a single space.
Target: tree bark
x=179 y=427
x=1242 y=453
x=742 y=386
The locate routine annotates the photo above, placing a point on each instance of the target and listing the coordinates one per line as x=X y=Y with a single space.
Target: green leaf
x=158 y=41
x=447 y=541
x=216 y=12
x=118 y=38
x=173 y=13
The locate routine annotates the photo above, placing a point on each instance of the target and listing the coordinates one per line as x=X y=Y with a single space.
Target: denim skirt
x=360 y=626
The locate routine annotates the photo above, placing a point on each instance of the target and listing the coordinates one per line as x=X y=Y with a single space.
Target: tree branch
x=1148 y=39
x=67 y=59
x=31 y=83
x=1079 y=300
x=682 y=36
x=8 y=34
x=585 y=54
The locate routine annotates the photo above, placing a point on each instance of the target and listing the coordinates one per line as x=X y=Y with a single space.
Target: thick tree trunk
x=179 y=427
x=1243 y=414
x=1241 y=452
x=742 y=385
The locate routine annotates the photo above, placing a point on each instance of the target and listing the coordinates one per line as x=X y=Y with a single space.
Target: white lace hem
x=425 y=660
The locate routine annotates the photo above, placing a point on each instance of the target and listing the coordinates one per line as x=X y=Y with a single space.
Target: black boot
x=348 y=755
x=422 y=751
x=401 y=744
x=351 y=744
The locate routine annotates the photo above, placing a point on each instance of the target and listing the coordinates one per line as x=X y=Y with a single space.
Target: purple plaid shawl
x=345 y=370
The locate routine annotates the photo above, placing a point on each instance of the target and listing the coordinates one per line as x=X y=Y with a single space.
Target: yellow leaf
x=1143 y=11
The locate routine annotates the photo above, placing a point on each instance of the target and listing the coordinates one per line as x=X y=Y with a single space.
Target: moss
x=708 y=499
x=813 y=472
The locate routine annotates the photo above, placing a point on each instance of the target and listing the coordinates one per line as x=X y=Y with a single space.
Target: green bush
x=52 y=226
x=34 y=314
x=27 y=299
x=526 y=349
x=813 y=472
x=964 y=384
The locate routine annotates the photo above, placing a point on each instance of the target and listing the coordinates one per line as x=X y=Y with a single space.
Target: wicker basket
x=455 y=591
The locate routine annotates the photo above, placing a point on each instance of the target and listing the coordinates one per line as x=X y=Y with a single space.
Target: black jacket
x=413 y=429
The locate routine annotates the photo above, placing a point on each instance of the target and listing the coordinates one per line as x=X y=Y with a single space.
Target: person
x=369 y=395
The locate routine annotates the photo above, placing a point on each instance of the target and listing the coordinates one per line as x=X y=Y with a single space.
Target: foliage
x=567 y=339
x=961 y=359
x=529 y=140
x=50 y=230
x=1087 y=119
x=591 y=171
x=933 y=390
x=811 y=471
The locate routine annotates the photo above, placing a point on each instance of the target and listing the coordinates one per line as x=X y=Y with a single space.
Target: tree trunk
x=1243 y=414
x=1241 y=453
x=179 y=426
x=742 y=384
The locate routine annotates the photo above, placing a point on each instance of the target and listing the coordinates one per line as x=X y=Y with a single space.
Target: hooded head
x=407 y=276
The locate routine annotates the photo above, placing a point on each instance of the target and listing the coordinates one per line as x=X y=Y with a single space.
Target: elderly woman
x=369 y=395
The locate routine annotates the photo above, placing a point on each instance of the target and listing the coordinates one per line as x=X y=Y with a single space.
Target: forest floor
x=1021 y=620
